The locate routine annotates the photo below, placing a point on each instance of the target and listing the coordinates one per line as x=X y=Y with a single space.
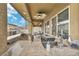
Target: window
x=63 y=24
x=63 y=30
x=63 y=16
x=60 y=24
x=47 y=27
x=47 y=23
x=54 y=26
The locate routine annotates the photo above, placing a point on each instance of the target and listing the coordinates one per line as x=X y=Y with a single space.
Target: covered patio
x=52 y=30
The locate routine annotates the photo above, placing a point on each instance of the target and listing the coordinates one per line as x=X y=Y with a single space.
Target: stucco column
x=29 y=27
x=3 y=28
x=74 y=21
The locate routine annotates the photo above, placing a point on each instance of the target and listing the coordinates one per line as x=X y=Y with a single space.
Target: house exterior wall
x=57 y=9
x=74 y=19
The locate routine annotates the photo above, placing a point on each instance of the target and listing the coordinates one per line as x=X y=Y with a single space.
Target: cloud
x=14 y=17
x=10 y=9
x=8 y=14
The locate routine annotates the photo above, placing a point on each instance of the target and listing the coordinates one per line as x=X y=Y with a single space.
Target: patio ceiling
x=29 y=10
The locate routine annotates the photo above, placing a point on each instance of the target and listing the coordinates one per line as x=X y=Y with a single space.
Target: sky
x=14 y=17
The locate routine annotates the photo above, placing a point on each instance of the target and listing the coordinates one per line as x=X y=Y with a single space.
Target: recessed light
x=24 y=12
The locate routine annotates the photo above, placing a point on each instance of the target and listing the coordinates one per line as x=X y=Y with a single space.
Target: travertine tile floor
x=28 y=48
x=64 y=51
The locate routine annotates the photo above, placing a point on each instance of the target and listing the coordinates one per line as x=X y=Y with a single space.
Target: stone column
x=3 y=28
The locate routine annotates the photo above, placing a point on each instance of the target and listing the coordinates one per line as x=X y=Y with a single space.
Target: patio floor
x=35 y=48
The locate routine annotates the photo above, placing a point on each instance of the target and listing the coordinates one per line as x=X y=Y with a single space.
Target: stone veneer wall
x=3 y=28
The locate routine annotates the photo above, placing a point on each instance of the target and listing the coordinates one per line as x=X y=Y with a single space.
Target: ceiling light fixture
x=40 y=15
x=24 y=12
